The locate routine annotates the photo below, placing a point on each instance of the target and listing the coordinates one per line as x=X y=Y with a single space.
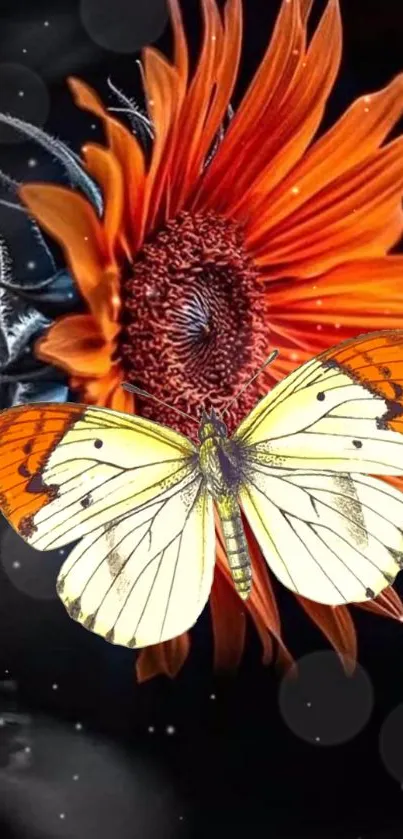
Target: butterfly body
x=309 y=468
x=220 y=463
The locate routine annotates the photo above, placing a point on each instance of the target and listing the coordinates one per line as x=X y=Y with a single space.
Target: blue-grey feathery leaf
x=68 y=158
x=23 y=392
x=140 y=123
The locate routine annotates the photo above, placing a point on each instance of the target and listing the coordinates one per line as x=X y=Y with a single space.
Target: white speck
x=319 y=302
x=78 y=726
x=75 y=777
x=6 y=672
x=212 y=695
x=295 y=52
x=55 y=686
x=295 y=190
x=24 y=50
x=31 y=265
x=70 y=295
x=27 y=750
x=317 y=739
x=319 y=327
x=308 y=704
x=85 y=238
x=214 y=37
x=367 y=99
x=62 y=815
x=16 y=564
x=2 y=722
x=21 y=93
x=181 y=818
x=46 y=23
x=170 y=729
x=61 y=551
x=366 y=110
x=294 y=356
x=151 y=729
x=93 y=126
x=32 y=162
x=337 y=325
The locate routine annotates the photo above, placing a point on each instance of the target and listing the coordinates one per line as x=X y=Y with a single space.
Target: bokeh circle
x=122 y=26
x=23 y=94
x=323 y=705
x=32 y=572
x=391 y=743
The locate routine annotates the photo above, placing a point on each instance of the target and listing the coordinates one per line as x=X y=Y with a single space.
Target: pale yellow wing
x=134 y=491
x=328 y=532
x=334 y=538
x=341 y=411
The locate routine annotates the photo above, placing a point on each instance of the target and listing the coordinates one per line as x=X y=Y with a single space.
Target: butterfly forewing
x=327 y=532
x=133 y=490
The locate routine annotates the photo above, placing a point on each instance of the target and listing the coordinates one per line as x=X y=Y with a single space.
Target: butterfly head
x=211 y=426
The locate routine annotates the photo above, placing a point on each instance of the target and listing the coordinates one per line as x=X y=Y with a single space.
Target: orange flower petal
x=281 y=141
x=196 y=106
x=336 y=623
x=358 y=216
x=357 y=135
x=75 y=344
x=104 y=168
x=362 y=295
x=269 y=86
x=74 y=224
x=127 y=152
x=165 y=659
x=229 y=622
x=388 y=605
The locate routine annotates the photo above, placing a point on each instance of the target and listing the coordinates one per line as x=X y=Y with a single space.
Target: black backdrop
x=86 y=752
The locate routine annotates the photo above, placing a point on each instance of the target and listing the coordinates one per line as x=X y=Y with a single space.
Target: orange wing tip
x=375 y=361
x=28 y=436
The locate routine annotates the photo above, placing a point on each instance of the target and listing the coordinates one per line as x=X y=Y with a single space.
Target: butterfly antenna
x=138 y=390
x=268 y=361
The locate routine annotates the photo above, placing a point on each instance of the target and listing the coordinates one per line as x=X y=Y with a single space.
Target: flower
x=227 y=235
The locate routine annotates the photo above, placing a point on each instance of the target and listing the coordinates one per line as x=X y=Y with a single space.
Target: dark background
x=84 y=751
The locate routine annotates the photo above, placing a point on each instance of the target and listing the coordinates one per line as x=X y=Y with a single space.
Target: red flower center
x=194 y=324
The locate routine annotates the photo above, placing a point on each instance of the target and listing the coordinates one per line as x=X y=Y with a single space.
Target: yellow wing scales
x=327 y=531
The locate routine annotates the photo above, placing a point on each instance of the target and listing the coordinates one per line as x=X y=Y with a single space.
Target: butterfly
x=140 y=496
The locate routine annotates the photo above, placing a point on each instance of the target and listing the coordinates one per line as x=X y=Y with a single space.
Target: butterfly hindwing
x=327 y=531
x=332 y=537
x=147 y=577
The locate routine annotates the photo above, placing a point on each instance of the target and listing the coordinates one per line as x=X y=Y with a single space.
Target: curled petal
x=102 y=164
x=165 y=659
x=75 y=344
x=74 y=224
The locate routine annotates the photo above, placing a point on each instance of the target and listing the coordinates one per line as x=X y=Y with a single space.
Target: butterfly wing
x=133 y=490
x=328 y=532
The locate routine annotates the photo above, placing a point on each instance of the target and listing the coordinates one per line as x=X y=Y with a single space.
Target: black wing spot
x=27 y=449
x=86 y=501
x=98 y=444
x=369 y=593
x=24 y=471
x=385 y=372
x=320 y=396
x=357 y=444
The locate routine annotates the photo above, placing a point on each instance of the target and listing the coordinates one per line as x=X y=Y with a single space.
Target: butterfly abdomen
x=236 y=545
